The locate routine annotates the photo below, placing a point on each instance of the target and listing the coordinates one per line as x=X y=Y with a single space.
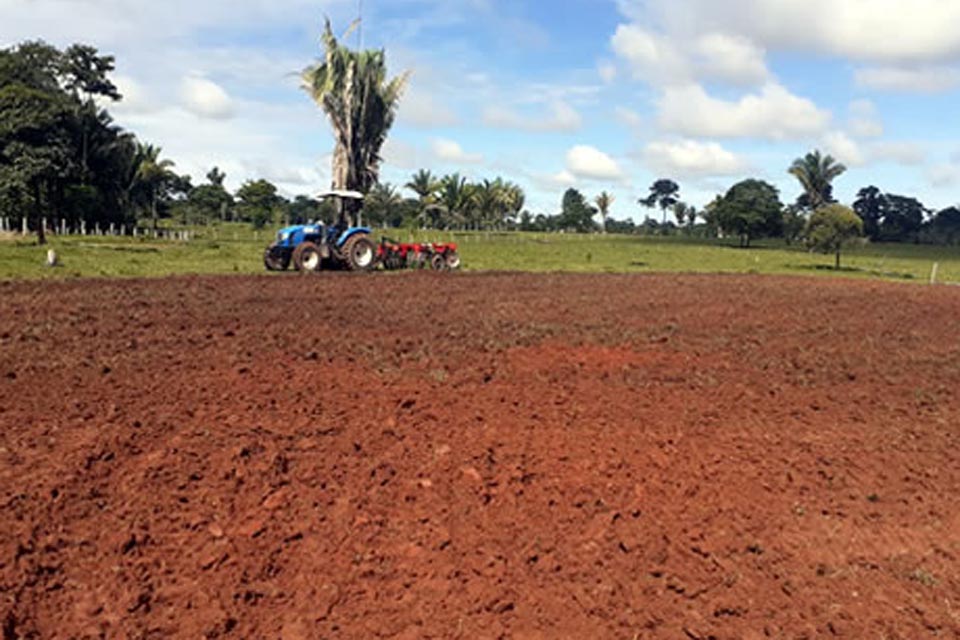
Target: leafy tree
x=304 y=209
x=604 y=201
x=831 y=228
x=871 y=205
x=945 y=226
x=664 y=194
x=211 y=201
x=576 y=214
x=155 y=178
x=902 y=219
x=380 y=203
x=816 y=174
x=685 y=214
x=750 y=209
x=361 y=103
x=259 y=202
x=425 y=185
x=455 y=198
x=793 y=224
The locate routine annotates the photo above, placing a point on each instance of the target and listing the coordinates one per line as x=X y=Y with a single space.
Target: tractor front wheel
x=275 y=260
x=360 y=254
x=307 y=257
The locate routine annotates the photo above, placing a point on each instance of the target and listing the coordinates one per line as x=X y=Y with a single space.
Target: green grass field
x=238 y=249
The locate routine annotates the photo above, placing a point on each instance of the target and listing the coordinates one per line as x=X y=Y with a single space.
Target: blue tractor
x=315 y=246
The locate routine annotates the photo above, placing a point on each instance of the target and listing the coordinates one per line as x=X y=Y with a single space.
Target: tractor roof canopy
x=343 y=195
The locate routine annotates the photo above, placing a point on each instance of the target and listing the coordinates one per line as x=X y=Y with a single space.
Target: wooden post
x=83 y=227
x=933 y=273
x=26 y=229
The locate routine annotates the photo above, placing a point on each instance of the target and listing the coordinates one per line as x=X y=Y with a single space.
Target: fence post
x=933 y=273
x=83 y=227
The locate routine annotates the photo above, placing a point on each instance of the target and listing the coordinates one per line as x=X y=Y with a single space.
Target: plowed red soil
x=479 y=456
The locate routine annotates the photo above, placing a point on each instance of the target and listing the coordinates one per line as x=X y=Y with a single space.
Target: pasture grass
x=237 y=249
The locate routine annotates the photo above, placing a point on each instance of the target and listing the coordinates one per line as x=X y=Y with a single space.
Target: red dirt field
x=479 y=456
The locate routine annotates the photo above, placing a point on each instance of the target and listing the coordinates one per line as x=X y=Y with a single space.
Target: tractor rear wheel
x=360 y=254
x=307 y=257
x=275 y=260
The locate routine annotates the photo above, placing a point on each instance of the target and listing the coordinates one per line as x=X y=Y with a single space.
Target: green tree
x=871 y=205
x=750 y=209
x=903 y=218
x=211 y=201
x=155 y=179
x=816 y=173
x=833 y=227
x=685 y=214
x=664 y=194
x=425 y=185
x=604 y=201
x=945 y=226
x=381 y=203
x=258 y=202
x=576 y=214
x=353 y=89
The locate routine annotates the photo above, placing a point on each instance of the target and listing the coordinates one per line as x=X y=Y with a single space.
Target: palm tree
x=455 y=197
x=352 y=88
x=663 y=194
x=153 y=176
x=382 y=199
x=425 y=185
x=604 y=201
x=816 y=173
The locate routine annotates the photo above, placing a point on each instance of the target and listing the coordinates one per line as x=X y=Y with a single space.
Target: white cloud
x=423 y=109
x=909 y=154
x=865 y=120
x=590 y=163
x=732 y=58
x=660 y=59
x=844 y=148
x=607 y=71
x=908 y=80
x=450 y=151
x=773 y=114
x=206 y=98
x=894 y=31
x=560 y=117
x=943 y=176
x=628 y=117
x=689 y=158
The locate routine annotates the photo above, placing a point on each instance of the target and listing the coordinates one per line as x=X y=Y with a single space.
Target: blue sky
x=596 y=94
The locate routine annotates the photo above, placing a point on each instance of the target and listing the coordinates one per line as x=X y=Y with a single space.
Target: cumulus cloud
x=628 y=117
x=773 y=114
x=732 y=58
x=891 y=31
x=690 y=158
x=450 y=151
x=560 y=117
x=844 y=148
x=865 y=120
x=660 y=58
x=908 y=80
x=607 y=71
x=908 y=154
x=423 y=109
x=206 y=98
x=590 y=163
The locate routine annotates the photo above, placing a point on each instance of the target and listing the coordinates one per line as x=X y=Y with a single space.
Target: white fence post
x=26 y=229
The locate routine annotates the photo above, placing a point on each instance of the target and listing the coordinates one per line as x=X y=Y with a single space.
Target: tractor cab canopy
x=348 y=203
x=341 y=194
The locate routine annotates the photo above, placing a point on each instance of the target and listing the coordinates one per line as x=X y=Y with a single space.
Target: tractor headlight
x=283 y=236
